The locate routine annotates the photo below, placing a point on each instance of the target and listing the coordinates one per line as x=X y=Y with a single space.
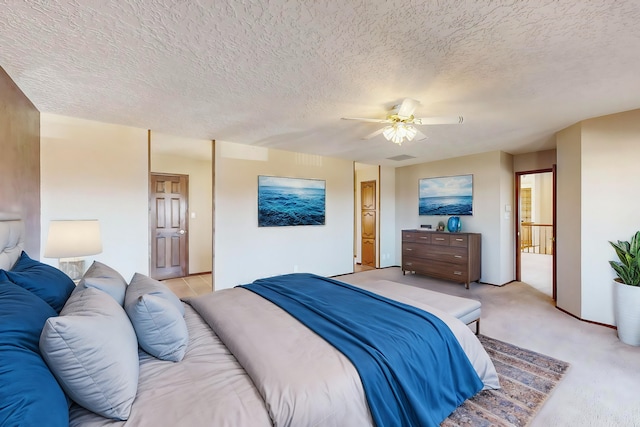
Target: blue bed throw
x=413 y=370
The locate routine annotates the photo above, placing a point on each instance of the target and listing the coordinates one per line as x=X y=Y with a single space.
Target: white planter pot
x=626 y=300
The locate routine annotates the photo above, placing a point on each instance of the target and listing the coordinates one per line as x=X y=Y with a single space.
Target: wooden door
x=368 y=223
x=169 y=226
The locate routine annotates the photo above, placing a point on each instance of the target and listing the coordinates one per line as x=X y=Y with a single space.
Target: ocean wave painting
x=449 y=195
x=290 y=201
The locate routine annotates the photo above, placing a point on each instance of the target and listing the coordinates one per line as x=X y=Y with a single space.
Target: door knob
x=181 y=232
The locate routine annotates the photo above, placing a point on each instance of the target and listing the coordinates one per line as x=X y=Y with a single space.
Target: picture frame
x=285 y=202
x=446 y=195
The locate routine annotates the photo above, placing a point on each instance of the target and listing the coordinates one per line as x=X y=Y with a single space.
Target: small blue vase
x=454 y=225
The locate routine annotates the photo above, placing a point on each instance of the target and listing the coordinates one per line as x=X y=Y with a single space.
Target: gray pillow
x=92 y=351
x=105 y=278
x=156 y=314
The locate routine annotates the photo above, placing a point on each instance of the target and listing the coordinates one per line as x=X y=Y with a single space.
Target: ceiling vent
x=401 y=157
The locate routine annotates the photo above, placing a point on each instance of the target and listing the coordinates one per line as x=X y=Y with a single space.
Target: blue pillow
x=22 y=316
x=47 y=282
x=29 y=393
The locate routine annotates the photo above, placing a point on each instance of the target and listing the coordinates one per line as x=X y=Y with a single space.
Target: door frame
x=518 y=176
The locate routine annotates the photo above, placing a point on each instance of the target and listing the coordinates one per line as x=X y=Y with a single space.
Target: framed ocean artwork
x=446 y=195
x=286 y=202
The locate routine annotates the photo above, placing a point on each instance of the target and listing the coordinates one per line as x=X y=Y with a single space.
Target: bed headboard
x=11 y=239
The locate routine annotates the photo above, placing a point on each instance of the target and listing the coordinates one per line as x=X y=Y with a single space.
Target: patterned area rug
x=526 y=377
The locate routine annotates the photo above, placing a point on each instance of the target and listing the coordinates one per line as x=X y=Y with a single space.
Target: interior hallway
x=536 y=270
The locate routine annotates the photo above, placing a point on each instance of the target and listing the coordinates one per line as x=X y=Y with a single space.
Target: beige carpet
x=527 y=378
x=602 y=386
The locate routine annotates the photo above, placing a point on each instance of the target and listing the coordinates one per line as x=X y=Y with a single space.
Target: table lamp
x=69 y=241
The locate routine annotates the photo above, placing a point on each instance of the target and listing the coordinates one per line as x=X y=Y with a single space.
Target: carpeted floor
x=526 y=377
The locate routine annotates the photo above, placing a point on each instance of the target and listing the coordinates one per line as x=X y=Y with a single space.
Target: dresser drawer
x=409 y=236
x=439 y=269
x=412 y=249
x=423 y=237
x=459 y=240
x=440 y=239
x=450 y=254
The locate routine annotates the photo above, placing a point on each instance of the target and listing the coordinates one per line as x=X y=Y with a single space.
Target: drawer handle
x=457 y=256
x=458 y=239
x=408 y=249
x=458 y=273
x=408 y=263
x=423 y=237
x=439 y=238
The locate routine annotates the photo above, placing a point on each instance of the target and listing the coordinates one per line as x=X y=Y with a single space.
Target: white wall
x=568 y=216
x=244 y=251
x=389 y=240
x=610 y=204
x=506 y=217
x=492 y=188
x=92 y=170
x=597 y=163
x=534 y=161
x=200 y=194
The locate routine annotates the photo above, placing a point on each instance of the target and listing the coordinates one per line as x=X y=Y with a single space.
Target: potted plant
x=626 y=295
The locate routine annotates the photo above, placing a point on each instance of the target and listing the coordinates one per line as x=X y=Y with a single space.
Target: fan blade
x=407 y=107
x=419 y=136
x=371 y=135
x=367 y=120
x=438 y=120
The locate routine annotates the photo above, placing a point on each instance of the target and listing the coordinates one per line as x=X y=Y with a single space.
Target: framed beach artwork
x=446 y=195
x=290 y=201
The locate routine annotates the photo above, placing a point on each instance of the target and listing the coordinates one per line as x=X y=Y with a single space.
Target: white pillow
x=91 y=349
x=156 y=314
x=105 y=278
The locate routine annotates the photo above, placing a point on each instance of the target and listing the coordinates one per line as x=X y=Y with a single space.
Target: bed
x=235 y=357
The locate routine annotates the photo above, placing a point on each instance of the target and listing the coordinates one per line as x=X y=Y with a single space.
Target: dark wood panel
x=20 y=160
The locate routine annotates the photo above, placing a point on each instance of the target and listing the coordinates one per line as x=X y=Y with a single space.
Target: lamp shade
x=73 y=238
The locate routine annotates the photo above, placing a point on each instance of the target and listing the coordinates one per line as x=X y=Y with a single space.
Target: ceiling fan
x=401 y=123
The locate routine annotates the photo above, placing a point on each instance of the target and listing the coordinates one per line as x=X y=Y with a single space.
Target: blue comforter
x=412 y=368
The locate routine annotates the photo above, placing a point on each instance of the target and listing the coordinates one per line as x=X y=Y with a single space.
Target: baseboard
x=587 y=321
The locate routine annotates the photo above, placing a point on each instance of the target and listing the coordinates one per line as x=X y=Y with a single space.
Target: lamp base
x=72 y=267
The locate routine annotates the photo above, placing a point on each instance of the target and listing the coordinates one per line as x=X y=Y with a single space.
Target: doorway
x=535 y=234
x=176 y=155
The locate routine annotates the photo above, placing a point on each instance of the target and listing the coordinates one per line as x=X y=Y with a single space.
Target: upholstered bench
x=465 y=309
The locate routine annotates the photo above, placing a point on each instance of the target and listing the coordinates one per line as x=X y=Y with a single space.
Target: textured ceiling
x=281 y=73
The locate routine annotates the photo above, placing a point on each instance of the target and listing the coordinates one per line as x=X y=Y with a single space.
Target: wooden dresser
x=451 y=256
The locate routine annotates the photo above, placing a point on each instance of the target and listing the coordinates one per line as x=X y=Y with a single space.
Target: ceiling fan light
x=411 y=132
x=388 y=132
x=397 y=132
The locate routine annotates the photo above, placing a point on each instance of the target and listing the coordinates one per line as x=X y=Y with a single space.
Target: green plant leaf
x=634 y=246
x=628 y=268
